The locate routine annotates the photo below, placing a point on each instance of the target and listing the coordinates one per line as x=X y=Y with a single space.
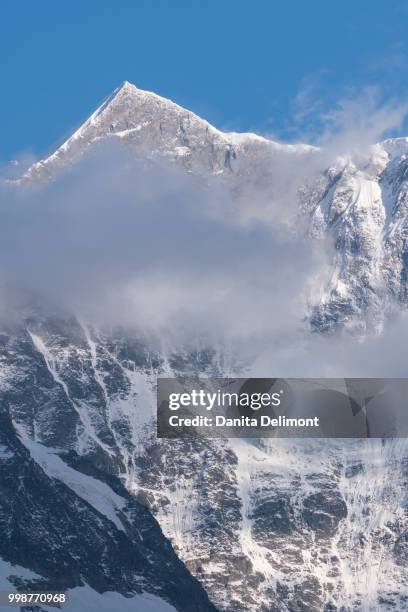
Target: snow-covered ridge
x=156 y=126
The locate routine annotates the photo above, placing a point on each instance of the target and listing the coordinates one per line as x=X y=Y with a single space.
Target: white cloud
x=136 y=243
x=121 y=241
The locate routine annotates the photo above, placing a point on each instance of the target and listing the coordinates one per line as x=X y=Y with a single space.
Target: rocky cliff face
x=363 y=207
x=64 y=514
x=261 y=525
x=155 y=128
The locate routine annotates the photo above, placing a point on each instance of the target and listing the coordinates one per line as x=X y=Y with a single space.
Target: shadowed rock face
x=262 y=525
x=49 y=528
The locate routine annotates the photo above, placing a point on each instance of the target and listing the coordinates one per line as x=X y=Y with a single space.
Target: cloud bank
x=146 y=245
x=124 y=242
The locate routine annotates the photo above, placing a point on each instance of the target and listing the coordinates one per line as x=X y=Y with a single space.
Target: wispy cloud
x=120 y=241
x=360 y=117
x=144 y=244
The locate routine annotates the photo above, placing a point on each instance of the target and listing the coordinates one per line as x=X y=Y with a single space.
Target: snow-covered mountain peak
x=126 y=85
x=395 y=147
x=158 y=127
x=262 y=526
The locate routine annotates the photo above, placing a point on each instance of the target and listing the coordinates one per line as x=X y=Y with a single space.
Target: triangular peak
x=125 y=87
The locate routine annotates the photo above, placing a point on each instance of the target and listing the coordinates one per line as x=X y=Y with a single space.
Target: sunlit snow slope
x=107 y=511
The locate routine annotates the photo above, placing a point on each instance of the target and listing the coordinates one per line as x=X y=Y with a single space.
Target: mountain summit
x=157 y=127
x=263 y=526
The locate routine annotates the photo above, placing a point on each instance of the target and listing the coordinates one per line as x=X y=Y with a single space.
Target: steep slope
x=75 y=527
x=157 y=128
x=263 y=527
x=362 y=206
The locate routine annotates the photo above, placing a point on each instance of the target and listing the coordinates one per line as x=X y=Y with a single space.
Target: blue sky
x=242 y=65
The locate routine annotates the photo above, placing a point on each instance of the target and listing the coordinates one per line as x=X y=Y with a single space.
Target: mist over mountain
x=149 y=217
x=150 y=243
